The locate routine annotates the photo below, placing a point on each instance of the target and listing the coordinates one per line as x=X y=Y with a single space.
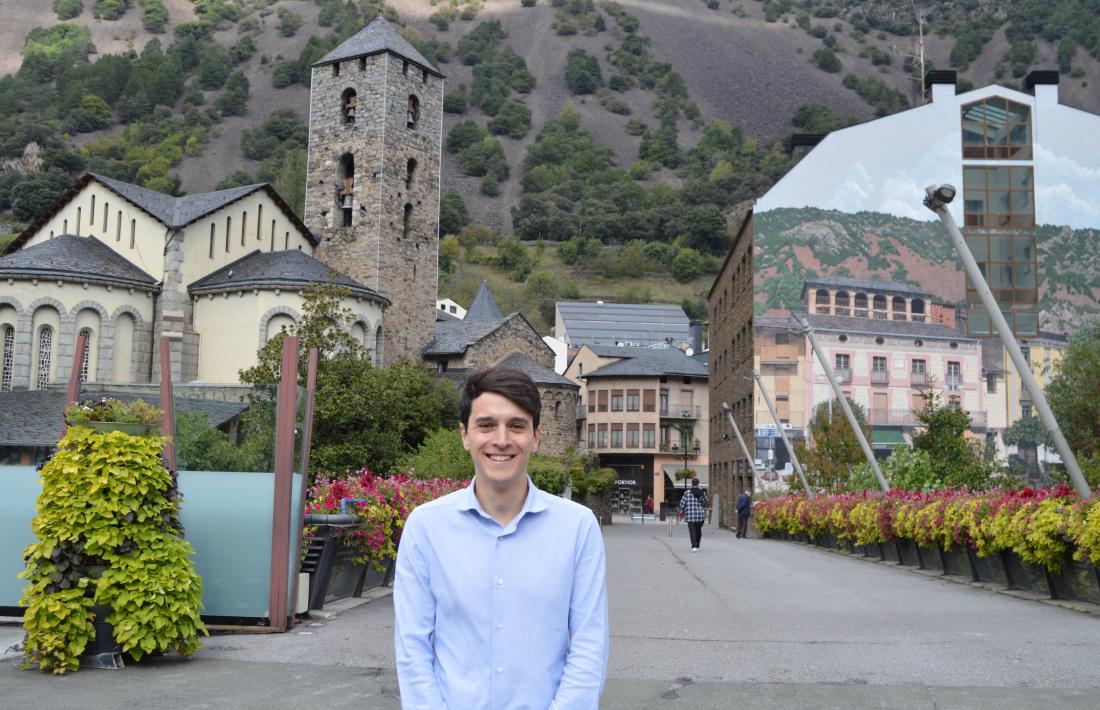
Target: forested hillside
x=633 y=131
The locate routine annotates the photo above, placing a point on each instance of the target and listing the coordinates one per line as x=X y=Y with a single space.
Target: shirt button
x=499 y=671
x=500 y=626
x=500 y=580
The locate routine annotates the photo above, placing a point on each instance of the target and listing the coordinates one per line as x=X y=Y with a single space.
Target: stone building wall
x=730 y=304
x=558 y=422
x=514 y=336
x=384 y=249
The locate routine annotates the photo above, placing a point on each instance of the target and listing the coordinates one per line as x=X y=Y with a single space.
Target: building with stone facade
x=486 y=337
x=643 y=411
x=373 y=175
x=216 y=273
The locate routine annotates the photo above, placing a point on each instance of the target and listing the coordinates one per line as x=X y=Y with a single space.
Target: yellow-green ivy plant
x=108 y=533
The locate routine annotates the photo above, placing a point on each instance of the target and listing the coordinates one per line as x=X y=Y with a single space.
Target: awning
x=887 y=438
x=700 y=470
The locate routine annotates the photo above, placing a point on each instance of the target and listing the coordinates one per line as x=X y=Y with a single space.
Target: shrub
x=455 y=101
x=289 y=22
x=582 y=72
x=827 y=60
x=513 y=120
x=110 y=9
x=154 y=16
x=68 y=9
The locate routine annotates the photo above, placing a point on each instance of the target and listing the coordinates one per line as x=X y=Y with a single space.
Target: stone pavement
x=740 y=624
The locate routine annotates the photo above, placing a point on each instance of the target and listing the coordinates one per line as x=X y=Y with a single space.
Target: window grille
x=45 y=351
x=8 y=362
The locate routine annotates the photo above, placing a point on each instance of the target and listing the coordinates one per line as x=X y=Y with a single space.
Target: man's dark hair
x=514 y=385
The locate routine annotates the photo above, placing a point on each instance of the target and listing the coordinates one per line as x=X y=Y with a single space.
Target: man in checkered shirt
x=693 y=506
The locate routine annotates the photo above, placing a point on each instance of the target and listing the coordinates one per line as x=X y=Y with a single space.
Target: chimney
x=696 y=331
x=940 y=83
x=1044 y=85
x=803 y=143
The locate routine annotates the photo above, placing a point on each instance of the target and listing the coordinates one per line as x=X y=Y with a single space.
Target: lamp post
x=937 y=199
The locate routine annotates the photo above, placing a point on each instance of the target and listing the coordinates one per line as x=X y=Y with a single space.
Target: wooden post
x=303 y=467
x=167 y=406
x=73 y=390
x=284 y=481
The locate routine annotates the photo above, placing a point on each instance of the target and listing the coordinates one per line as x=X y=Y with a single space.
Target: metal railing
x=918 y=379
x=682 y=412
x=880 y=377
x=843 y=374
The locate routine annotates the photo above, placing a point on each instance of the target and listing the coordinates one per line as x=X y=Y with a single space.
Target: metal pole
x=72 y=392
x=933 y=202
x=808 y=331
x=783 y=434
x=744 y=447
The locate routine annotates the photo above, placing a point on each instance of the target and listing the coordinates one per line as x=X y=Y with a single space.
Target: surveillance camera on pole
x=937 y=199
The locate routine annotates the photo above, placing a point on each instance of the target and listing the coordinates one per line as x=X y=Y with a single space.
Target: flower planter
x=130 y=428
x=874 y=551
x=850 y=547
x=988 y=569
x=1027 y=576
x=930 y=558
x=907 y=553
x=101 y=652
x=890 y=552
x=1076 y=582
x=957 y=561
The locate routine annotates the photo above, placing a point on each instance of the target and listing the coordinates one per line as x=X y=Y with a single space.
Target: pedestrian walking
x=500 y=597
x=744 y=511
x=693 y=510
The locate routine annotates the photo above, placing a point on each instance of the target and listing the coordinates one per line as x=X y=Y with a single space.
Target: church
x=220 y=273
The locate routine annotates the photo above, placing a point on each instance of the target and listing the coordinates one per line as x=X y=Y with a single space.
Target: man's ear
x=538 y=439
x=465 y=440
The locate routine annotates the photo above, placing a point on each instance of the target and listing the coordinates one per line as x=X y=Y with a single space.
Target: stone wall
x=731 y=360
x=384 y=248
x=558 y=423
x=599 y=504
x=515 y=336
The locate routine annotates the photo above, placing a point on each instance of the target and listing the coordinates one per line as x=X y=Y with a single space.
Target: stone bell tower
x=372 y=182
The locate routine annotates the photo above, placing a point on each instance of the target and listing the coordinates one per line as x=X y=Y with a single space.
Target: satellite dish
x=689 y=352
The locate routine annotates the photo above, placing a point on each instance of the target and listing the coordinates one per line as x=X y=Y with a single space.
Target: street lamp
x=937 y=199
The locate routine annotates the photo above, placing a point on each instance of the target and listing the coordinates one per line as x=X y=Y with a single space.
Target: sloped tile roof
x=845 y=324
x=452 y=337
x=33 y=417
x=484 y=306
x=648 y=362
x=75 y=258
x=277 y=269
x=177 y=212
x=379 y=36
x=539 y=375
x=611 y=323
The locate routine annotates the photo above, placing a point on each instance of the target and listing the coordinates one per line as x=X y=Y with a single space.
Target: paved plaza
x=740 y=624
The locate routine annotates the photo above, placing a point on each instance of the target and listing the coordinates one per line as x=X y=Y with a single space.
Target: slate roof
x=539 y=374
x=75 y=258
x=172 y=212
x=484 y=306
x=844 y=324
x=33 y=417
x=378 y=36
x=611 y=323
x=452 y=337
x=277 y=269
x=877 y=286
x=647 y=362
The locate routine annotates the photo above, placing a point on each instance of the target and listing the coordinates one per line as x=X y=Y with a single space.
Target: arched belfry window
x=414 y=111
x=7 y=361
x=348 y=104
x=410 y=173
x=345 y=187
x=45 y=356
x=407 y=224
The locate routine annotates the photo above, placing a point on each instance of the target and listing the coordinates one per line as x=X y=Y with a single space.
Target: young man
x=693 y=509
x=500 y=599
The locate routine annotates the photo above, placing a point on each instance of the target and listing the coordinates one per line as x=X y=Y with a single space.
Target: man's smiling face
x=500 y=437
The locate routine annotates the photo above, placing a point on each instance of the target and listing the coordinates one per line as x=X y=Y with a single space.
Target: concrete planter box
x=1076 y=582
x=907 y=552
x=988 y=569
x=930 y=558
x=1025 y=575
x=890 y=552
x=957 y=561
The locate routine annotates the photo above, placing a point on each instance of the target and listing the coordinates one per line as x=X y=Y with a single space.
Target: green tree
x=92 y=115
x=291 y=180
x=835 y=451
x=955 y=460
x=68 y=9
x=687 y=265
x=441 y=455
x=289 y=22
x=452 y=213
x=513 y=119
x=214 y=67
x=814 y=117
x=1074 y=397
x=827 y=60
x=544 y=290
x=154 y=16
x=582 y=72
x=449 y=251
x=234 y=100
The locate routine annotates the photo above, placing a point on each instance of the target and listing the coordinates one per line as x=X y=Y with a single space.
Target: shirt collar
x=533 y=503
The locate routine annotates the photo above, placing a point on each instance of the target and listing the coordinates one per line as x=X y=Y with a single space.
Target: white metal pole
x=744 y=448
x=808 y=331
x=783 y=434
x=934 y=202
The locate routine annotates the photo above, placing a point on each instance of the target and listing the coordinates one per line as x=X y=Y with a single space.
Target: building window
x=616 y=400
x=272 y=235
x=999 y=196
x=919 y=375
x=991 y=383
x=211 y=240
x=954 y=375
x=916 y=306
x=413 y=114
x=822 y=301
x=91 y=213
x=335 y=69
x=996 y=129
x=616 y=438
x=133 y=233
x=649 y=437
x=1026 y=352
x=860 y=305
x=345 y=187
x=879 y=374
x=591 y=435
x=87 y=333
x=118 y=227
x=782 y=338
x=244 y=224
x=601 y=438
x=410 y=173
x=878 y=304
x=649 y=401
x=8 y=361
x=899 y=309
x=843 y=366
x=1025 y=410
x=106 y=211
x=259 y=222
x=601 y=400
x=78 y=211
x=843 y=304
x=405 y=68
x=348 y=105
x=45 y=356
x=406 y=224
x=632 y=401
x=632 y=438
x=664 y=401
x=228 y=227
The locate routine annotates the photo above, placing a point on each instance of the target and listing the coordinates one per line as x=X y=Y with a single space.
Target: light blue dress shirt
x=501 y=618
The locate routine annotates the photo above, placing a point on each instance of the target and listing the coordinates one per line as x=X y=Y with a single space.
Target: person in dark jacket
x=744 y=510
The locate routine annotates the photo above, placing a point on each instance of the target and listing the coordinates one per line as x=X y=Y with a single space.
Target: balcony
x=918 y=379
x=843 y=374
x=880 y=377
x=908 y=418
x=582 y=411
x=952 y=382
x=688 y=412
